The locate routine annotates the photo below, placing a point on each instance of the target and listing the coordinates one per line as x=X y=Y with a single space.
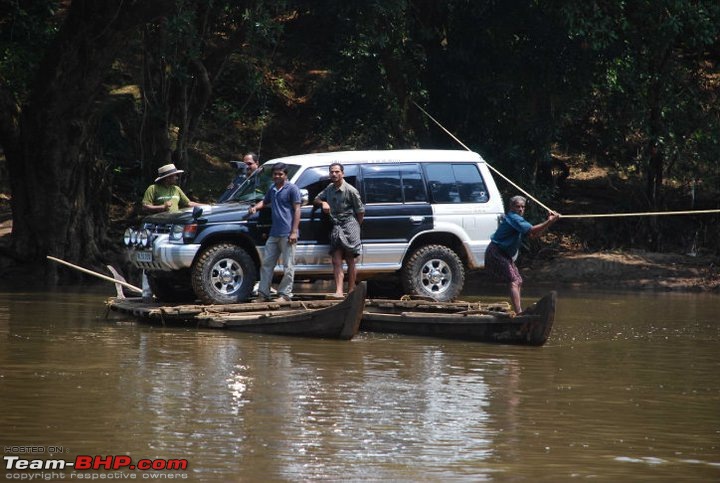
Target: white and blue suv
x=429 y=217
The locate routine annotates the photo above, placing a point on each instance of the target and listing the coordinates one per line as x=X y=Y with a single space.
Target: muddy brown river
x=627 y=389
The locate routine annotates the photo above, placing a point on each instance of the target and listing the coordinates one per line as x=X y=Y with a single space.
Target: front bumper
x=163 y=256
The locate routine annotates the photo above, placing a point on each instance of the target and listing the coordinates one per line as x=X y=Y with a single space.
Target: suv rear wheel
x=223 y=274
x=434 y=271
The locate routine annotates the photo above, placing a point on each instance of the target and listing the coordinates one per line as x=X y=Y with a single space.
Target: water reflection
x=627 y=388
x=381 y=407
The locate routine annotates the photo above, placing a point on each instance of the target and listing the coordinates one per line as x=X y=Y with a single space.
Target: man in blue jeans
x=284 y=201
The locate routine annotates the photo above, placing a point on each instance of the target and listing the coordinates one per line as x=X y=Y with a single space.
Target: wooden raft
x=334 y=319
x=315 y=317
x=213 y=315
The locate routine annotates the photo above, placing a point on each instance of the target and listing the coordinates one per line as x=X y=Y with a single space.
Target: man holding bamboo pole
x=505 y=244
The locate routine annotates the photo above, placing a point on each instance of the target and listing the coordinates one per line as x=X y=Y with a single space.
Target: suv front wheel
x=434 y=271
x=223 y=274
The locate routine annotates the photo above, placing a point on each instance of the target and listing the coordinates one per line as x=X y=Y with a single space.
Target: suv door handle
x=416 y=220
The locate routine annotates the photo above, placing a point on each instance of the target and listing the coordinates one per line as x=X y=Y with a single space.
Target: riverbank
x=627 y=270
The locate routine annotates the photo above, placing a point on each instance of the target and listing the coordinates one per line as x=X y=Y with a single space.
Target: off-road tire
x=434 y=271
x=223 y=274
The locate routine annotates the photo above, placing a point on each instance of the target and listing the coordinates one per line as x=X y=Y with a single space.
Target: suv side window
x=393 y=183
x=255 y=187
x=316 y=179
x=455 y=183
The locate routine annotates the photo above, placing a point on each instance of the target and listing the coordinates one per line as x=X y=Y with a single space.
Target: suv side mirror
x=304 y=196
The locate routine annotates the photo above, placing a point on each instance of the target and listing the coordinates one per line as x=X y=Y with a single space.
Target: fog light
x=144 y=239
x=126 y=236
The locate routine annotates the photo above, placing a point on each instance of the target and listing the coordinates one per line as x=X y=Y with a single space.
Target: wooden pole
x=644 y=213
x=96 y=274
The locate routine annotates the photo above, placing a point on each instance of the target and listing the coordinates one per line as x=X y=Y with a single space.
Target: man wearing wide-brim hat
x=165 y=194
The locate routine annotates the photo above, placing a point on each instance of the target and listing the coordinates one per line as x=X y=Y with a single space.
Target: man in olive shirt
x=165 y=194
x=342 y=202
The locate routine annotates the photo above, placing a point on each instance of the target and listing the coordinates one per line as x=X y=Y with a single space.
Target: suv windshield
x=255 y=187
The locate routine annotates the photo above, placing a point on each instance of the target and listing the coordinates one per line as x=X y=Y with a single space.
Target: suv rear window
x=455 y=183
x=395 y=183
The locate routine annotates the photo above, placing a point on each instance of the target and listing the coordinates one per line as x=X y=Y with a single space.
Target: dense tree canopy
x=96 y=94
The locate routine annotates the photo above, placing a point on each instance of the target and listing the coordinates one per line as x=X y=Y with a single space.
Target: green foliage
x=651 y=81
x=26 y=29
x=375 y=72
x=511 y=73
x=245 y=86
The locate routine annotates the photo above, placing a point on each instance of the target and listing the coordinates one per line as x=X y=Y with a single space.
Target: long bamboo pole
x=96 y=274
x=643 y=213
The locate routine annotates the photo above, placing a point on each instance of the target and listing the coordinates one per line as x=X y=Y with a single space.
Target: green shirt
x=344 y=201
x=157 y=194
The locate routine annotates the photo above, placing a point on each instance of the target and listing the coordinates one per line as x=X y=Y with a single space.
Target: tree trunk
x=655 y=164
x=59 y=189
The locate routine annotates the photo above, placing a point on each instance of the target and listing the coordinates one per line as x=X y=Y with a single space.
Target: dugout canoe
x=461 y=320
x=322 y=318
